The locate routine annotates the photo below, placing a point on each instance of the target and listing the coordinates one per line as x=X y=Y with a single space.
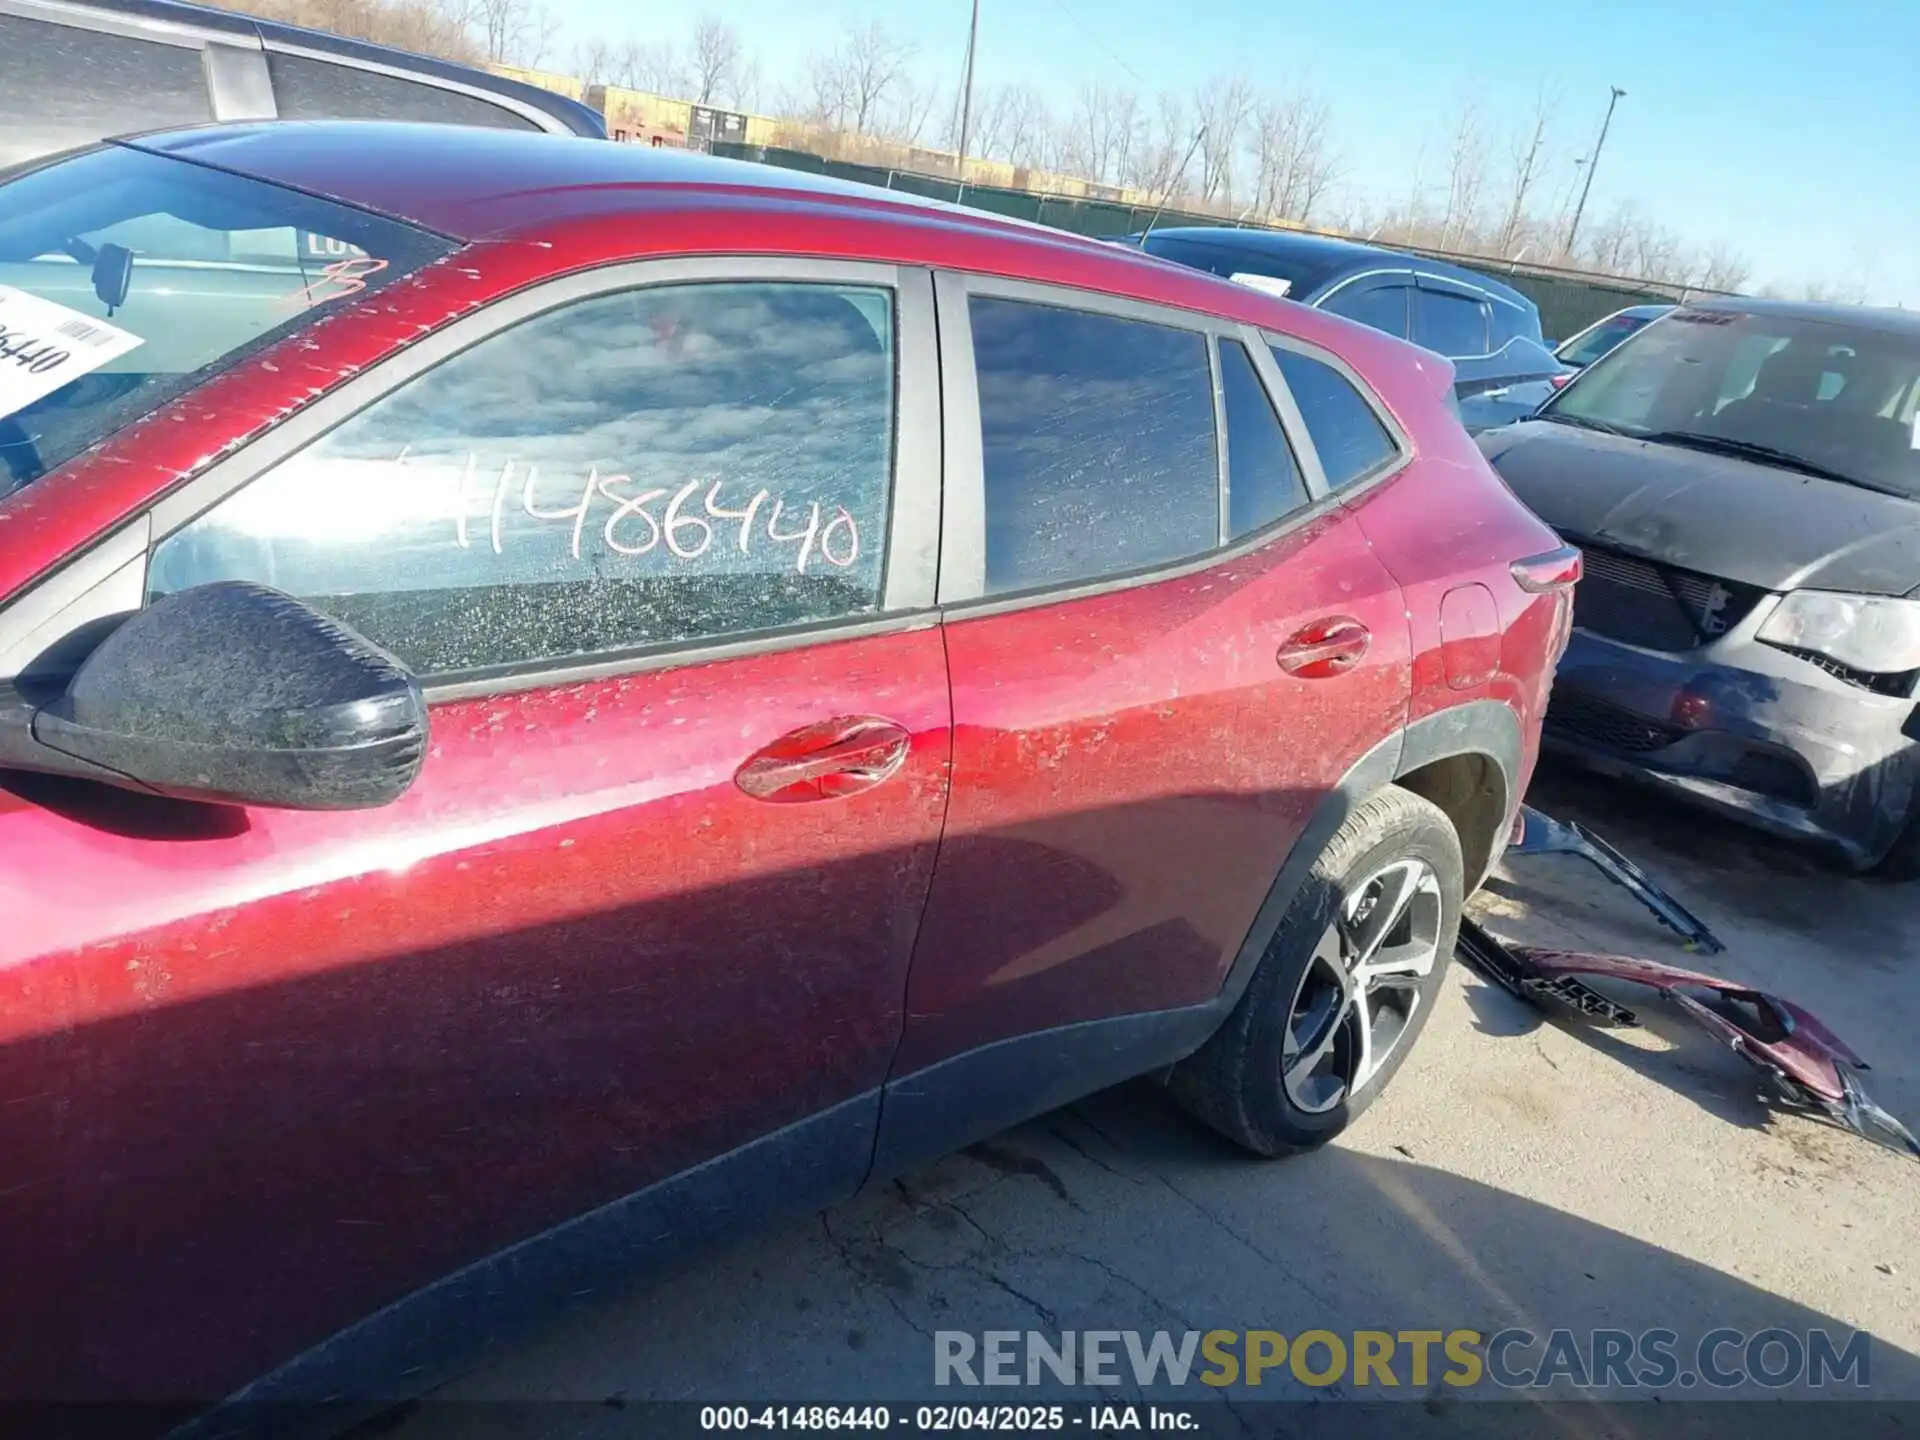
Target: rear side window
x=1384 y=307
x=1263 y=479
x=62 y=86
x=1098 y=443
x=1449 y=324
x=652 y=467
x=1349 y=437
x=307 y=89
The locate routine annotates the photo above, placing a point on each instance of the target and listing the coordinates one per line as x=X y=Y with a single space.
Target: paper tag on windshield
x=1271 y=284
x=44 y=345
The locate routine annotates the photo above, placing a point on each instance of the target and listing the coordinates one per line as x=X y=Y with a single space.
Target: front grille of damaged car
x=1898 y=686
x=1595 y=722
x=1656 y=607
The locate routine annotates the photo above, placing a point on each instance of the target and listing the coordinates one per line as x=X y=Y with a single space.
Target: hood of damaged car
x=1715 y=515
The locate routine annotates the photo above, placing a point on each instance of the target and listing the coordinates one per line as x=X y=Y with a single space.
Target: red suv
x=558 y=695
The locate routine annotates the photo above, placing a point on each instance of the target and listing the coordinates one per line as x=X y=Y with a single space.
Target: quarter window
x=1098 y=444
x=653 y=467
x=63 y=85
x=1351 y=441
x=1263 y=479
x=305 y=89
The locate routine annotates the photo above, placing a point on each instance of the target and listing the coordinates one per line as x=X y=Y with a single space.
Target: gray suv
x=75 y=71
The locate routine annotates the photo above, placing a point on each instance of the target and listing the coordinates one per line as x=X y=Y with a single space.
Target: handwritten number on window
x=687 y=531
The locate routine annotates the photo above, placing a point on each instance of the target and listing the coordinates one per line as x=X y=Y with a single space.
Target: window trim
x=962 y=583
x=1285 y=412
x=913 y=523
x=541 y=119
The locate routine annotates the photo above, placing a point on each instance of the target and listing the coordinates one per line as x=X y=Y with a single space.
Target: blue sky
x=1790 y=129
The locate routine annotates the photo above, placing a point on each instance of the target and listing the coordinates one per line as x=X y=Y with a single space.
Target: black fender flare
x=1480 y=727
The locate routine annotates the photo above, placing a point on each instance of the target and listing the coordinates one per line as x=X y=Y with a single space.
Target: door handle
x=1325 y=648
x=825 y=760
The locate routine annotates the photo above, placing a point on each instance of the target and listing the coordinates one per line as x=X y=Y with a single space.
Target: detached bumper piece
x=1537 y=834
x=1808 y=1066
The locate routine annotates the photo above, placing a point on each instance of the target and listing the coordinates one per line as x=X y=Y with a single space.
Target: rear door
x=660 y=540
x=1137 y=557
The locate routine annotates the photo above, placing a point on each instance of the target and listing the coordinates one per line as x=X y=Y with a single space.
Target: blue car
x=1490 y=331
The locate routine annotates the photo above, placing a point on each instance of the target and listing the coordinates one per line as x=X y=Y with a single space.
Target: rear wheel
x=1902 y=862
x=1344 y=988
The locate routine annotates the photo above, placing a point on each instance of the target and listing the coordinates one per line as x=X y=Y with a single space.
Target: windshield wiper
x=1764 y=454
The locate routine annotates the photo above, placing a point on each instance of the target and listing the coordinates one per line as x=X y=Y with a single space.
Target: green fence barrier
x=1569 y=301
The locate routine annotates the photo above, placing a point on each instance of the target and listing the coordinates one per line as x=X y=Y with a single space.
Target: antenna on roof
x=1167 y=194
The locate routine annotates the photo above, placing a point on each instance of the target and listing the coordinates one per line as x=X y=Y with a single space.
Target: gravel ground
x=1519 y=1172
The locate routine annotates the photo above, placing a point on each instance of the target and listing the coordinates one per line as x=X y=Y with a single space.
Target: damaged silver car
x=1743 y=477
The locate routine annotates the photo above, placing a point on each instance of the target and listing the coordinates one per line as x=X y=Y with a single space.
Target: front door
x=652 y=899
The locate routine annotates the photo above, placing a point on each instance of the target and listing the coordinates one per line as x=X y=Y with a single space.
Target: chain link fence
x=1569 y=300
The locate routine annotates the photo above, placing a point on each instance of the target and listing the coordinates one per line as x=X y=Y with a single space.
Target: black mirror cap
x=236 y=692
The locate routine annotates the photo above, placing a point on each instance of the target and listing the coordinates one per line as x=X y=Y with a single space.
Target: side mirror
x=235 y=693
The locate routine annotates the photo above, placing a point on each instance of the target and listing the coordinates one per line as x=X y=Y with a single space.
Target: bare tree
x=595 y=62
x=907 y=111
x=1466 y=175
x=716 y=59
x=1024 y=126
x=1222 y=106
x=1164 y=142
x=1105 y=129
x=1722 y=268
x=1293 y=162
x=652 y=66
x=1528 y=160
x=872 y=64
x=514 y=31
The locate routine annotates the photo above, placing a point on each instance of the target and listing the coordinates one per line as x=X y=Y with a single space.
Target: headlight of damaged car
x=1879 y=634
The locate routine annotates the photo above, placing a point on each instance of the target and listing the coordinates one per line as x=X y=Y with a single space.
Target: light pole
x=966 y=99
x=1593 y=163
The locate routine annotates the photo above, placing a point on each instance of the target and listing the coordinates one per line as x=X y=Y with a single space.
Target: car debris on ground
x=1808 y=1066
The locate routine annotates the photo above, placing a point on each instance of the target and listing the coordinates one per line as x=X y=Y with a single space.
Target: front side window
x=1263 y=479
x=1589 y=346
x=642 y=469
x=1350 y=440
x=1098 y=443
x=1449 y=324
x=1791 y=391
x=128 y=277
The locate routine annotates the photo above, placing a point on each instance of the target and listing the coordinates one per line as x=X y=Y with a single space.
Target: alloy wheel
x=1362 y=986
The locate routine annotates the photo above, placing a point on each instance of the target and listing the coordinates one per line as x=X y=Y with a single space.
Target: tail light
x=1549 y=571
x=1558 y=380
x=1555 y=573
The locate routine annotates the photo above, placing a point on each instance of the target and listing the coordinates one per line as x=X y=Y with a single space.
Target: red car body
x=294 y=1094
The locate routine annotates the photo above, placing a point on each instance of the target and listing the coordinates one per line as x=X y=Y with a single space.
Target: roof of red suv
x=473 y=183
x=466 y=181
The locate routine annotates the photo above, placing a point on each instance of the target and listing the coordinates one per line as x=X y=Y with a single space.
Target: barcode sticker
x=44 y=345
x=86 y=332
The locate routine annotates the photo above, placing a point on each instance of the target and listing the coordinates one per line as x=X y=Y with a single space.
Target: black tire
x=1234 y=1083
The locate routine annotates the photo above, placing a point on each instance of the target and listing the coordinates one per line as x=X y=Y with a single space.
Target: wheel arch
x=1467 y=760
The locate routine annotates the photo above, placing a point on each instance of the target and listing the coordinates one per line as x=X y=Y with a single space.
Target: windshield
x=127 y=277
x=1814 y=395
x=1590 y=344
